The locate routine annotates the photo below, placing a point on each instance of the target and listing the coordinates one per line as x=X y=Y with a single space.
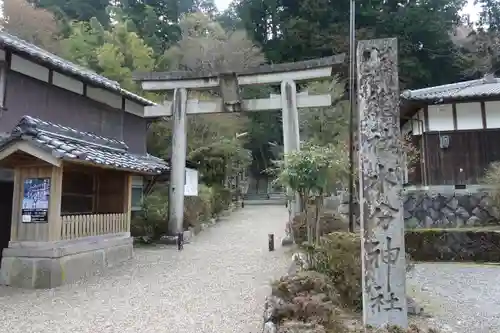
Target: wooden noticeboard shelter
x=70 y=188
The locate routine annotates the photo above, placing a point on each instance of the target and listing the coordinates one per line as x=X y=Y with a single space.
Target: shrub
x=339 y=257
x=453 y=245
x=152 y=220
x=221 y=199
x=329 y=222
x=198 y=209
x=309 y=302
x=492 y=178
x=305 y=298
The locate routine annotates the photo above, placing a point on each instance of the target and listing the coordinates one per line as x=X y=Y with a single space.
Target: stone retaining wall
x=431 y=208
x=441 y=207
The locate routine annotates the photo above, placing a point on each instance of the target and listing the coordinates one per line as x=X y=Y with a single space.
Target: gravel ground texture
x=461 y=297
x=218 y=284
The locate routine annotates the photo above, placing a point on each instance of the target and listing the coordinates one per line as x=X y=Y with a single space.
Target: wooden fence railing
x=76 y=226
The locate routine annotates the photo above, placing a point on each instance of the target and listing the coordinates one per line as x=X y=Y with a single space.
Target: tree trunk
x=263 y=157
x=305 y=210
x=319 y=208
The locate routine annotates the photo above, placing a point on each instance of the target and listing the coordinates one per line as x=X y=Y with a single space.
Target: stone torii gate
x=228 y=84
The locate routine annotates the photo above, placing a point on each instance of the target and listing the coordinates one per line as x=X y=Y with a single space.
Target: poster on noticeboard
x=35 y=206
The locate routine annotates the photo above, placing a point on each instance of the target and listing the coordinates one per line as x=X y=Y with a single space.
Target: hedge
x=152 y=220
x=453 y=245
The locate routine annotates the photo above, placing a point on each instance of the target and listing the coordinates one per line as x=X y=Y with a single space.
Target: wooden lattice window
x=78 y=193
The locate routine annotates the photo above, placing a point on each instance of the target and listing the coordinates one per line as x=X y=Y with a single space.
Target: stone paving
x=463 y=298
x=218 y=284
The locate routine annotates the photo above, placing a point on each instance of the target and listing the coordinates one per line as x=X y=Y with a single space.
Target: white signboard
x=191 y=183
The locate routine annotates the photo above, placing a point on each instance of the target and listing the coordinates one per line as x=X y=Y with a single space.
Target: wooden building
x=73 y=162
x=37 y=83
x=71 y=204
x=456 y=128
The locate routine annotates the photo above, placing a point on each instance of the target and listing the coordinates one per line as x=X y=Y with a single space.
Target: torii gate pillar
x=178 y=162
x=291 y=140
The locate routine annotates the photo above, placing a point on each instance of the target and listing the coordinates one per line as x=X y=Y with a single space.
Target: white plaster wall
x=68 y=83
x=32 y=69
x=469 y=116
x=134 y=108
x=29 y=68
x=440 y=117
x=137 y=181
x=105 y=97
x=418 y=123
x=413 y=125
x=191 y=185
x=492 y=114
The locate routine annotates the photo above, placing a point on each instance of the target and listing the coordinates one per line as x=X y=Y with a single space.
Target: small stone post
x=270 y=238
x=380 y=173
x=178 y=162
x=291 y=142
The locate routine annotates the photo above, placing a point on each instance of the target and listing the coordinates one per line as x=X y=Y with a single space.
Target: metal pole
x=352 y=96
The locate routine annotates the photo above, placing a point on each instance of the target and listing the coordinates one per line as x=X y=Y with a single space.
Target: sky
x=469 y=9
x=221 y=4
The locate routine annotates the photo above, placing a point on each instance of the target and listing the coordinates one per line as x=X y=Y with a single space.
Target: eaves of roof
x=481 y=88
x=32 y=51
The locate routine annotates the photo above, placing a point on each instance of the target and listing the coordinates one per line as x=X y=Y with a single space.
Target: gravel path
x=464 y=298
x=218 y=284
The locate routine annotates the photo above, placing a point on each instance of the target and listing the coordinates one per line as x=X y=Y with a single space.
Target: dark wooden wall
x=134 y=132
x=472 y=151
x=28 y=96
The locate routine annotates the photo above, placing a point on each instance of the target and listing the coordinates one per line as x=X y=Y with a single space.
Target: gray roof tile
x=45 y=57
x=486 y=87
x=69 y=144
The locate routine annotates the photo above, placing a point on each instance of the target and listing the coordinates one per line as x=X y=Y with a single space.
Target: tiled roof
x=69 y=144
x=45 y=57
x=486 y=87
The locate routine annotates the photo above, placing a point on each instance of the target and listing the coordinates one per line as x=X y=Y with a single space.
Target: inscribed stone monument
x=380 y=171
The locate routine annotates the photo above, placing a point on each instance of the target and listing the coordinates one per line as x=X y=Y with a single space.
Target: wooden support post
x=291 y=140
x=178 y=162
x=16 y=204
x=55 y=224
x=127 y=200
x=380 y=165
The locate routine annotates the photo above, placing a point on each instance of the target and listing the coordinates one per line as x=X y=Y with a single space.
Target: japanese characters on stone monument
x=380 y=173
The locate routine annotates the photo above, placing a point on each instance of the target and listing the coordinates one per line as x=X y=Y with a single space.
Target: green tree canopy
x=296 y=30
x=114 y=53
x=77 y=10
